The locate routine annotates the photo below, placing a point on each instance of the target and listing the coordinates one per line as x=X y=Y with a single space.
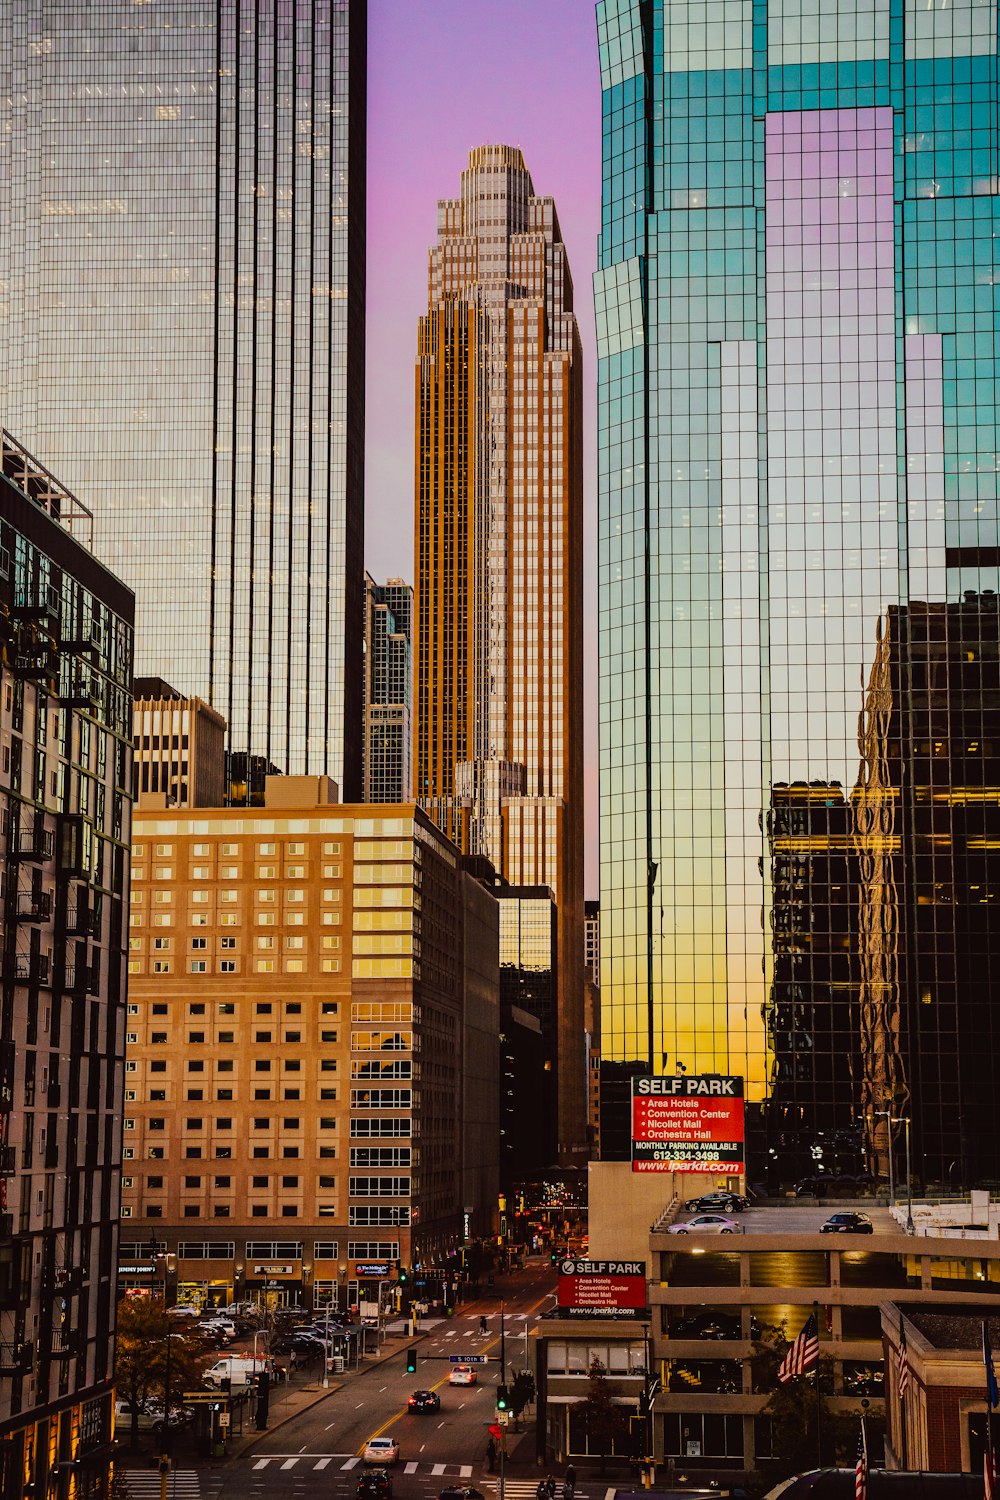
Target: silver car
x=707 y=1224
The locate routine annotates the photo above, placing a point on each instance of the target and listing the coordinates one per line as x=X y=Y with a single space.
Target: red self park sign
x=602 y=1288
x=688 y=1124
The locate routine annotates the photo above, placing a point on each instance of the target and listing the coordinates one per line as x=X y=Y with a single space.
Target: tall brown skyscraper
x=499 y=560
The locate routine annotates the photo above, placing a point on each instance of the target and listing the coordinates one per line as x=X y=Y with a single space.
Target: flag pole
x=819 y=1409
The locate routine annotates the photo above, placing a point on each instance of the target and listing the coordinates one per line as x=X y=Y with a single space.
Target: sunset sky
x=443 y=77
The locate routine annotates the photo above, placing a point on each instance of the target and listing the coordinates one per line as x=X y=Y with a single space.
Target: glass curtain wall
x=182 y=260
x=798 y=429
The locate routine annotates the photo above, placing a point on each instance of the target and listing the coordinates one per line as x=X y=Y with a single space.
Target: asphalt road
x=318 y=1454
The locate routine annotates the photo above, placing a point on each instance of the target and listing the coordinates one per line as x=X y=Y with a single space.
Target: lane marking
x=351 y=1462
x=411 y=1467
x=289 y=1463
x=465 y=1472
x=438 y=1469
x=322 y=1463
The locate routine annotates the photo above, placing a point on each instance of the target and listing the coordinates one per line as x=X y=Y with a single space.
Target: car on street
x=184 y=1310
x=462 y=1375
x=150 y=1417
x=424 y=1401
x=382 y=1451
x=459 y=1492
x=374 y=1484
x=847 y=1222
x=720 y=1202
x=707 y=1224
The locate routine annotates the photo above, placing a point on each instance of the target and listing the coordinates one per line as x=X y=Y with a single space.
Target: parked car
x=708 y=1325
x=462 y=1375
x=720 y=1202
x=847 y=1222
x=150 y=1417
x=184 y=1310
x=381 y=1450
x=459 y=1492
x=374 y=1484
x=424 y=1401
x=707 y=1224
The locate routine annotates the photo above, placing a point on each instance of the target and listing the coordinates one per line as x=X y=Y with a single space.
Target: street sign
x=496 y=1431
x=223 y=1419
x=469 y=1359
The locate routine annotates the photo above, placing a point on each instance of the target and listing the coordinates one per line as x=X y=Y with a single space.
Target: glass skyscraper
x=798 y=412
x=182 y=237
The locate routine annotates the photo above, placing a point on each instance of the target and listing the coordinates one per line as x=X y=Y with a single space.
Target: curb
x=247 y=1446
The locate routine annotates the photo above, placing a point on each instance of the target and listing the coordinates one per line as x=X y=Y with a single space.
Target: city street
x=319 y=1451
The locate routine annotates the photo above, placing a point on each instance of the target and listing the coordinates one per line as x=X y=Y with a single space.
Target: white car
x=707 y=1224
x=184 y=1310
x=382 y=1451
x=462 y=1375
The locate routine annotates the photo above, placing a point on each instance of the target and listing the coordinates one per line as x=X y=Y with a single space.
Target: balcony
x=81 y=642
x=40 y=602
x=34 y=842
x=32 y=968
x=15 y=1359
x=34 y=661
x=82 y=691
x=34 y=906
x=81 y=919
x=8 y=1161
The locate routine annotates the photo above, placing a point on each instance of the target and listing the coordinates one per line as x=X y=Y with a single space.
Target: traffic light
x=404 y=1275
x=503 y=1400
x=411 y=1361
x=553 y=1256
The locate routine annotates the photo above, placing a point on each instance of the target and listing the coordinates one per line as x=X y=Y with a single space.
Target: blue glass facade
x=798 y=413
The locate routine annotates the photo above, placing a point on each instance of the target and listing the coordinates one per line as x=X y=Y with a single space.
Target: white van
x=238 y=1371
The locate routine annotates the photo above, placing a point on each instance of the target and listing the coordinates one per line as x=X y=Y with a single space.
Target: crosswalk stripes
x=319 y=1461
x=144 y=1484
x=522 y=1489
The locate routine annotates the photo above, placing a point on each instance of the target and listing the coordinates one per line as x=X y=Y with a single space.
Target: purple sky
x=442 y=78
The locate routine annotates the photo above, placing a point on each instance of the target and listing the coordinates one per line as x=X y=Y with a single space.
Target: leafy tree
x=145 y=1334
x=606 y=1423
x=792 y=1408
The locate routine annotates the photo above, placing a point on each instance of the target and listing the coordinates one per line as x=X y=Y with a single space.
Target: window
x=192 y=1182
x=192 y=1151
x=161 y=966
x=196 y=1036
x=293 y=1008
x=226 y=1036
x=291 y=1122
x=224 y=1094
x=289 y=1182
x=258 y=1182
x=158 y=1038
x=260 y=1151
x=265 y=966
x=292 y=1064
x=262 y=1093
x=196 y=1010
x=223 y=1182
x=159 y=943
x=227 y=966
x=196 y=942
x=224 y=1124
x=229 y=942
x=291 y=1094
x=220 y=1211
x=262 y=1064
x=262 y=1036
x=258 y=1211
x=198 y=966
x=290 y=1151
x=157 y=1124
x=158 y=1096
x=158 y=1067
x=289 y=1211
x=192 y=1124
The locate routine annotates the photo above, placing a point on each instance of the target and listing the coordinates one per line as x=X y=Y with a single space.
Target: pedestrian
x=491 y=1454
x=550 y=1488
x=571 y=1475
x=484 y=1327
x=292 y=1361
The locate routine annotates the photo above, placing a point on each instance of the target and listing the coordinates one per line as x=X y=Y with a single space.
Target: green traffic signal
x=411 y=1361
x=502 y=1398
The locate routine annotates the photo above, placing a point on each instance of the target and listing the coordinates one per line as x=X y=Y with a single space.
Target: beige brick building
x=311 y=1049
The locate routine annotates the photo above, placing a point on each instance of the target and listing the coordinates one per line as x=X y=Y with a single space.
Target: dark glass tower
x=797 y=313
x=182 y=235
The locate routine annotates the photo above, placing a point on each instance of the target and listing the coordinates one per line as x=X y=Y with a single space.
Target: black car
x=424 y=1401
x=847 y=1222
x=721 y=1202
x=374 y=1484
x=459 y=1492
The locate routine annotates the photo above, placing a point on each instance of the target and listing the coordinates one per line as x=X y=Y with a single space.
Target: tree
x=792 y=1409
x=606 y=1424
x=145 y=1334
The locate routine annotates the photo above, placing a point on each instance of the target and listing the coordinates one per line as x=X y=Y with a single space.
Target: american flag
x=861 y=1467
x=802 y=1353
x=904 y=1363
